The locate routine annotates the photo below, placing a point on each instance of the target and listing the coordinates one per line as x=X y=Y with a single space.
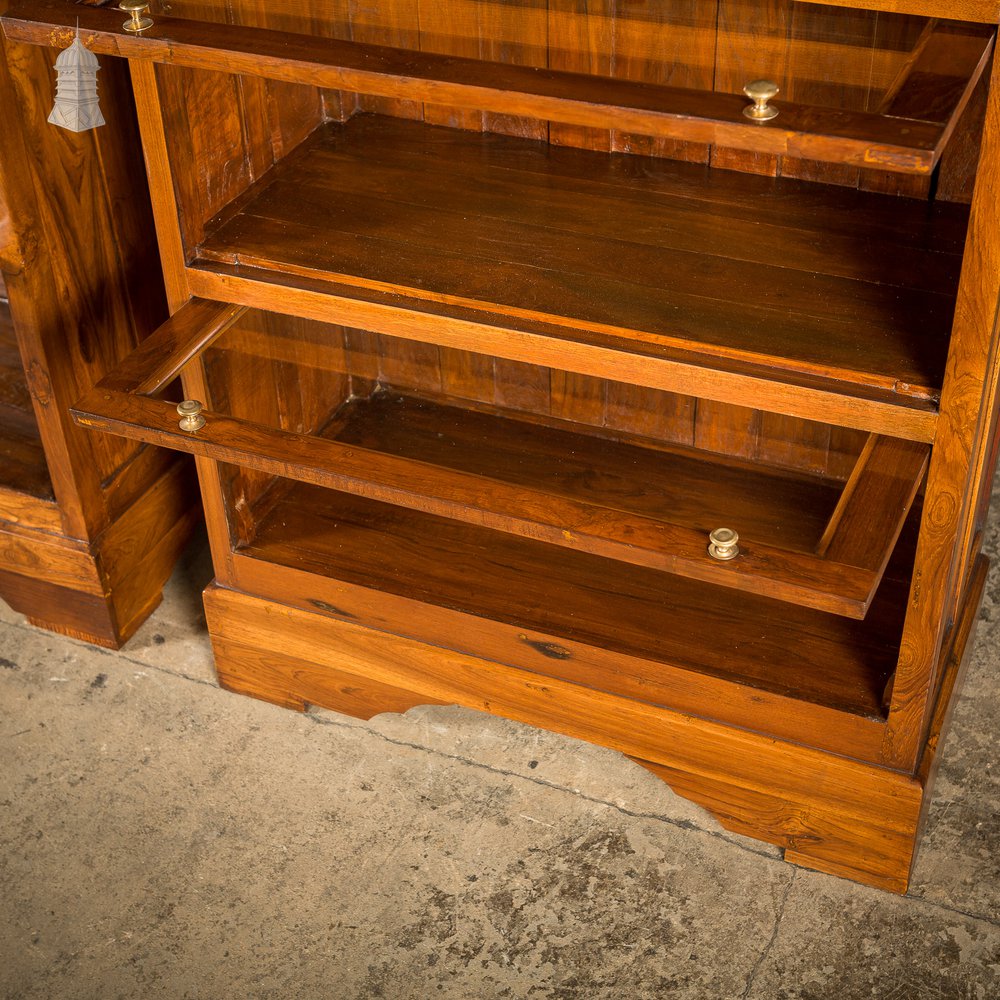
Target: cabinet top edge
x=983 y=11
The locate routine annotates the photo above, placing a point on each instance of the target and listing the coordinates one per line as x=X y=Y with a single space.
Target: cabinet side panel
x=80 y=266
x=959 y=461
x=206 y=144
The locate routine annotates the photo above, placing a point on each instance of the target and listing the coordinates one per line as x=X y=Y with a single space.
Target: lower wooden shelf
x=628 y=631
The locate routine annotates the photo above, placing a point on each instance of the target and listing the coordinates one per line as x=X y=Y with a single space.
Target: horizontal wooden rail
x=809 y=132
x=689 y=372
x=984 y=11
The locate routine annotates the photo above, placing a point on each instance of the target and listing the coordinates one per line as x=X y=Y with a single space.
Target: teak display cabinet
x=486 y=332
x=89 y=528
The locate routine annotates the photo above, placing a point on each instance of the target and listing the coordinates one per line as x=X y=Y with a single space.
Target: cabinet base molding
x=844 y=817
x=102 y=593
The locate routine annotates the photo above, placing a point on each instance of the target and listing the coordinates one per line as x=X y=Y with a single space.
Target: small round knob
x=137 y=22
x=760 y=92
x=191 y=418
x=723 y=544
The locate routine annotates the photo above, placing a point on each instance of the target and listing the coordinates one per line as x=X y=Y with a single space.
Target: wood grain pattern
x=548 y=563
x=962 y=449
x=575 y=99
x=986 y=11
x=82 y=297
x=635 y=666
x=742 y=308
x=536 y=343
x=863 y=817
x=23 y=466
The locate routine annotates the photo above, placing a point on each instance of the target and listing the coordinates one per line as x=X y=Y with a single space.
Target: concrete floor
x=162 y=838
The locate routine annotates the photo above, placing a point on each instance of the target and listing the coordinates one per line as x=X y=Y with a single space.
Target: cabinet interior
x=627 y=450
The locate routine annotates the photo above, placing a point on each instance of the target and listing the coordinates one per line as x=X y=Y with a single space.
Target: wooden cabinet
x=89 y=526
x=492 y=330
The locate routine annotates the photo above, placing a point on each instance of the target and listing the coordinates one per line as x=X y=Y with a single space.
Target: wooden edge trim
x=880 y=492
x=963 y=102
x=845 y=497
x=162 y=355
x=983 y=11
x=858 y=138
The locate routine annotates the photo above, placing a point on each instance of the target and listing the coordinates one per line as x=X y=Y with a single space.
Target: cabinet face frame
x=183 y=282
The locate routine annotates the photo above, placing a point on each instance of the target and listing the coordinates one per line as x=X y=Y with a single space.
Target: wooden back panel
x=816 y=54
x=294 y=374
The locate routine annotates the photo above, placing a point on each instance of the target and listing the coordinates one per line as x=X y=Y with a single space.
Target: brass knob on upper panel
x=191 y=418
x=136 y=8
x=760 y=92
x=723 y=544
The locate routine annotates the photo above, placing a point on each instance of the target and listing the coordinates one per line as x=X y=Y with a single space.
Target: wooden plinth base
x=845 y=817
x=101 y=593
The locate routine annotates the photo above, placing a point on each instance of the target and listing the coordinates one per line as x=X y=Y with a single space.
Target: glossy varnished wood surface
x=987 y=11
x=542 y=509
x=696 y=489
x=366 y=568
x=959 y=470
x=837 y=135
x=81 y=275
x=265 y=344
x=628 y=258
x=831 y=660
x=23 y=467
x=859 y=821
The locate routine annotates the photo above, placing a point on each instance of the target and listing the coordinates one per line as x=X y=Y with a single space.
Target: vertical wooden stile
x=960 y=454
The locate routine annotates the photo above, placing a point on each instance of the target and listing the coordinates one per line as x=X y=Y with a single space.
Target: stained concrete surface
x=162 y=838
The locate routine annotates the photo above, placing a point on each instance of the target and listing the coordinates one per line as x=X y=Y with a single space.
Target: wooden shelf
x=642 y=255
x=646 y=507
x=887 y=141
x=820 y=543
x=638 y=613
x=23 y=466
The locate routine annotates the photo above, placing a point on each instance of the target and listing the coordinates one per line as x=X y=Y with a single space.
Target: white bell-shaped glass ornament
x=76 y=106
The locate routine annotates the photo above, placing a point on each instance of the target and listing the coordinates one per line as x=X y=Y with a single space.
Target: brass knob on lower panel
x=191 y=418
x=760 y=92
x=723 y=544
x=136 y=8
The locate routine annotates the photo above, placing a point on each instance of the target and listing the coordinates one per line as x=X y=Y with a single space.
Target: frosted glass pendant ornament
x=76 y=106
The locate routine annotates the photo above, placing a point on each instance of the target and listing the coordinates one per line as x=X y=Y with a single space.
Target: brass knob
x=722 y=544
x=191 y=418
x=760 y=92
x=137 y=22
